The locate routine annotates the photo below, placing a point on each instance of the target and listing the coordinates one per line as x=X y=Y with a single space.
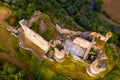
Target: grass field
x=112 y=8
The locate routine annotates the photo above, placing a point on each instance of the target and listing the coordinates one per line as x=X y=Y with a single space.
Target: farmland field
x=112 y=8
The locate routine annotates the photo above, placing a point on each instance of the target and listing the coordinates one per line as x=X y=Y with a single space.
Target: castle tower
x=96 y=67
x=59 y=55
x=101 y=37
x=108 y=36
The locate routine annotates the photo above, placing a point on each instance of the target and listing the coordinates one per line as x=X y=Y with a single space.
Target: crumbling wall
x=34 y=37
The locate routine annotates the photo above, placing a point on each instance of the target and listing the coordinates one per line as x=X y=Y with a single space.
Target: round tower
x=96 y=67
x=59 y=55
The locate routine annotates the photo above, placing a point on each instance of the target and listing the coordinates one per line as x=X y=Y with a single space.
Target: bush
x=12 y=21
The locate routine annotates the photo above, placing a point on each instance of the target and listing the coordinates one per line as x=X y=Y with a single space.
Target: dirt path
x=11 y=58
x=108 y=20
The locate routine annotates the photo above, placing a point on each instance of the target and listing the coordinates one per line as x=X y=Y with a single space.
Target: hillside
x=70 y=14
x=111 y=7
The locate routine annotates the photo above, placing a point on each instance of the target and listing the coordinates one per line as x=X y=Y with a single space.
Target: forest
x=73 y=14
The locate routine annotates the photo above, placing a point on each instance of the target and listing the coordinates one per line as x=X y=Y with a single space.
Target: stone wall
x=34 y=37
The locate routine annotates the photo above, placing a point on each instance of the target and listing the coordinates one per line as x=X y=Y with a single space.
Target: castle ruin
x=79 y=46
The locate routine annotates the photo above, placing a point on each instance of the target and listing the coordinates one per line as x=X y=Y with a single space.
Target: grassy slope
x=22 y=58
x=7 y=49
x=113 y=10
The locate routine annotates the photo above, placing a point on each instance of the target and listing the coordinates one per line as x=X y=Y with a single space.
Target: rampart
x=33 y=36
